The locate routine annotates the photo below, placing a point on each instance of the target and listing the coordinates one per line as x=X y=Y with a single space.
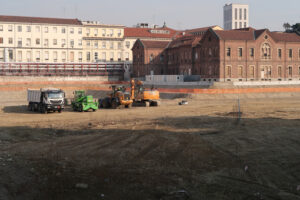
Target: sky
x=178 y=14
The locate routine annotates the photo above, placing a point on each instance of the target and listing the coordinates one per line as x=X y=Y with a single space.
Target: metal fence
x=61 y=69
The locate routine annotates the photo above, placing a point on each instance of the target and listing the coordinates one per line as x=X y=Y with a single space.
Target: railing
x=61 y=69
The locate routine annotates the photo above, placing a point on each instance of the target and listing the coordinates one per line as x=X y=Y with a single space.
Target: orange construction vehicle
x=117 y=99
x=142 y=96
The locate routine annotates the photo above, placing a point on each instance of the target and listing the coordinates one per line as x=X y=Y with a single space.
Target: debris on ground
x=183 y=102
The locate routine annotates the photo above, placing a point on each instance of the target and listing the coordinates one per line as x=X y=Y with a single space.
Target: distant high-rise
x=236 y=16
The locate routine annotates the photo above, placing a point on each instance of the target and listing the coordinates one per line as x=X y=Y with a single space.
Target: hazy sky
x=178 y=14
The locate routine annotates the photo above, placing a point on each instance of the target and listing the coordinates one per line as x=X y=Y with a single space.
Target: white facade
x=236 y=16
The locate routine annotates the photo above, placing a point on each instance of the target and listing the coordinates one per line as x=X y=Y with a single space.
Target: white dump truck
x=45 y=100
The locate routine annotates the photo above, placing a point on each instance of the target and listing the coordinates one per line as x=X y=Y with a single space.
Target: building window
x=63 y=30
x=119 y=56
x=228 y=52
x=1 y=40
x=37 y=41
x=290 y=70
x=28 y=56
x=119 y=45
x=88 y=43
x=1 y=27
x=127 y=56
x=103 y=45
x=55 y=56
x=1 y=55
x=96 y=45
x=28 y=28
x=111 y=32
x=37 y=56
x=111 y=45
x=80 y=31
x=63 y=42
x=72 y=43
x=279 y=53
x=245 y=14
x=79 y=42
x=28 y=42
x=127 y=44
x=151 y=58
x=72 y=56
x=19 y=56
x=103 y=56
x=290 y=53
x=37 y=29
x=54 y=41
x=46 y=42
x=10 y=28
x=10 y=40
x=241 y=25
x=103 y=32
x=19 y=42
x=54 y=29
x=46 y=55
x=235 y=13
x=279 y=71
x=241 y=14
x=10 y=54
x=111 y=56
x=63 y=56
x=240 y=71
x=252 y=71
x=19 y=28
x=80 y=56
x=95 y=32
x=245 y=24
x=252 y=52
x=71 y=30
x=96 y=56
x=119 y=33
x=46 y=29
x=240 y=52
x=266 y=51
x=88 y=56
x=228 y=71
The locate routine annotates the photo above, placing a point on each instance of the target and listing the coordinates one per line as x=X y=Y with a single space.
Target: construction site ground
x=199 y=151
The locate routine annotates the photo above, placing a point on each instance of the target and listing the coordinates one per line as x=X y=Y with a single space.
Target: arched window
x=266 y=51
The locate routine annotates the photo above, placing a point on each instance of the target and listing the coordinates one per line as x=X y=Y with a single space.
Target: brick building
x=247 y=55
x=149 y=57
x=232 y=55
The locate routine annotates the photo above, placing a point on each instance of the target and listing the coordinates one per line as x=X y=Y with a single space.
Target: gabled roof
x=146 y=32
x=235 y=34
x=39 y=20
x=152 y=44
x=187 y=40
x=285 y=37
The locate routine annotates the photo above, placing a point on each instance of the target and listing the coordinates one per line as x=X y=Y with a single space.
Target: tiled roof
x=150 y=44
x=252 y=34
x=285 y=37
x=187 y=40
x=145 y=33
x=39 y=20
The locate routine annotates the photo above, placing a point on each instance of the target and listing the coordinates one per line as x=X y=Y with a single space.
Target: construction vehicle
x=116 y=99
x=45 y=100
x=83 y=102
x=142 y=96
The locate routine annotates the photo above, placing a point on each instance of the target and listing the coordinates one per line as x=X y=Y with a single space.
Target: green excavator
x=83 y=102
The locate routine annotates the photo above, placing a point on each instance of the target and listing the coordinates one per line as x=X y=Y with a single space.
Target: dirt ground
x=199 y=151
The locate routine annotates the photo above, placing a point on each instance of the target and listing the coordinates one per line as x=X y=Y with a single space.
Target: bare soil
x=195 y=151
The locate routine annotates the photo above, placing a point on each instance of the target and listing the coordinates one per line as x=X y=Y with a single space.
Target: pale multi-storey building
x=33 y=39
x=236 y=16
x=104 y=43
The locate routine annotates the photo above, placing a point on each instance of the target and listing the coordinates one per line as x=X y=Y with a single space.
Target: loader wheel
x=114 y=105
x=80 y=108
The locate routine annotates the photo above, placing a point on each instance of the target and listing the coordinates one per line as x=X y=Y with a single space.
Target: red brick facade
x=233 y=55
